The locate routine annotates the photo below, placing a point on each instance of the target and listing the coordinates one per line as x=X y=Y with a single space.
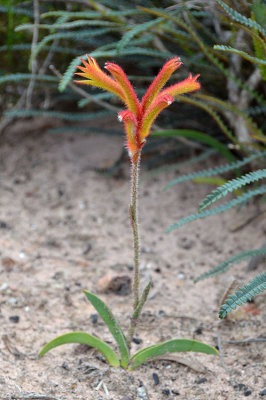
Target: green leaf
x=217 y=210
x=236 y=16
x=243 y=295
x=210 y=180
x=83 y=338
x=19 y=77
x=198 y=136
x=171 y=346
x=138 y=28
x=241 y=53
x=225 y=265
x=217 y=170
x=112 y=324
x=230 y=186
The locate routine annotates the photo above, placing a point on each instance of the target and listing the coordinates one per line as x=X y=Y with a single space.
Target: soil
x=64 y=226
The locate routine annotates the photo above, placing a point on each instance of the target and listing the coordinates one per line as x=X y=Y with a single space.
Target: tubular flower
x=138 y=117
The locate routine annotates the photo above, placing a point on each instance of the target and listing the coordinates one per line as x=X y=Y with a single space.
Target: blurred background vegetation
x=41 y=42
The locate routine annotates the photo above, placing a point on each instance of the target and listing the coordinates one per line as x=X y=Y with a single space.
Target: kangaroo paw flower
x=138 y=117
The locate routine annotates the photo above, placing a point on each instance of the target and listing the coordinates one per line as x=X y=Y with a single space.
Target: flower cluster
x=138 y=116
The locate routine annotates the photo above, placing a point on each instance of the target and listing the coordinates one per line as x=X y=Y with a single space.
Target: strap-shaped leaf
x=199 y=137
x=83 y=338
x=112 y=324
x=171 y=346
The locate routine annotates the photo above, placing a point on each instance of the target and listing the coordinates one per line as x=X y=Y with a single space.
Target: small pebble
x=14 y=318
x=155 y=378
x=126 y=398
x=263 y=392
x=186 y=243
x=119 y=284
x=136 y=340
x=201 y=380
x=240 y=386
x=142 y=393
x=88 y=249
x=65 y=366
x=94 y=318
x=247 y=392
x=166 y=392
x=176 y=392
x=198 y=331
x=3 y=225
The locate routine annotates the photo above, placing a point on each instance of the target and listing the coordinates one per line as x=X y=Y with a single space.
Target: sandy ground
x=64 y=226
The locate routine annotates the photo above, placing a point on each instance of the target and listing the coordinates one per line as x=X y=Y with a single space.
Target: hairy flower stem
x=134 y=224
x=133 y=210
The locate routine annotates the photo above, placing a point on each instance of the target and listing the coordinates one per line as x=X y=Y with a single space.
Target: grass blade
x=112 y=324
x=171 y=346
x=83 y=338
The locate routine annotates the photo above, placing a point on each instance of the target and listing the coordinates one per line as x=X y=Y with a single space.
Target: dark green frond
x=57 y=114
x=254 y=60
x=75 y=35
x=66 y=25
x=218 y=170
x=243 y=295
x=17 y=10
x=224 y=266
x=135 y=31
x=230 y=186
x=26 y=77
x=236 y=16
x=217 y=210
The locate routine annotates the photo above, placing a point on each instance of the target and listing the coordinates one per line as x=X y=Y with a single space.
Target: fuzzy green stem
x=137 y=312
x=134 y=224
x=133 y=210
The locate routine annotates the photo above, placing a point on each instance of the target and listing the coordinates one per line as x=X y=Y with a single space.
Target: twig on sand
x=36 y=396
x=219 y=344
x=249 y=340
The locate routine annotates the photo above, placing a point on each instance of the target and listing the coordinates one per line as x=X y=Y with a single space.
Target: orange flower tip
x=111 y=67
x=168 y=99
x=127 y=116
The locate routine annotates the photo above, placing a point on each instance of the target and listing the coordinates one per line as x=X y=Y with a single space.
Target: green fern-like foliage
x=217 y=170
x=254 y=60
x=236 y=16
x=225 y=265
x=217 y=210
x=231 y=186
x=243 y=295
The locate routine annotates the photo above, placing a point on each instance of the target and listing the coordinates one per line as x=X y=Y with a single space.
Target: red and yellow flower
x=138 y=116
